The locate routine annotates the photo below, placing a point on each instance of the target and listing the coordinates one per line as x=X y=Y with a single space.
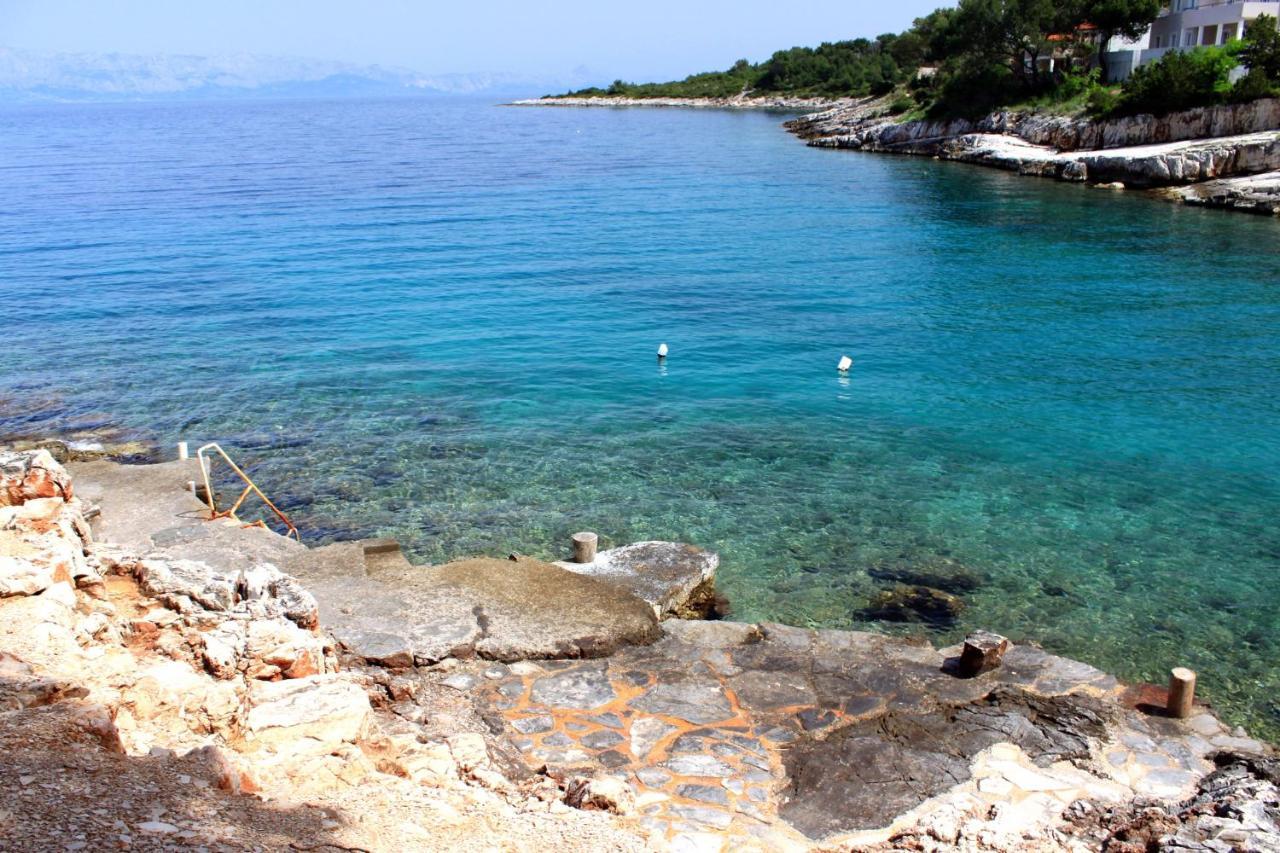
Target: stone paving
x=768 y=737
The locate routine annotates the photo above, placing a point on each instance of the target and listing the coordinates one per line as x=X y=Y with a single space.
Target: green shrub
x=900 y=105
x=1250 y=87
x=1102 y=101
x=1073 y=86
x=1180 y=80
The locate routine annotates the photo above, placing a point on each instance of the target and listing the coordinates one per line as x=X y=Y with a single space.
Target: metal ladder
x=249 y=488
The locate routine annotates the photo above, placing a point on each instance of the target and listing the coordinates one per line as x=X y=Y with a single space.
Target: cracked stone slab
x=667 y=575
x=502 y=610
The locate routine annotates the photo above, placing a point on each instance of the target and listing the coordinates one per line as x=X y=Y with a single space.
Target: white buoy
x=845 y=364
x=662 y=350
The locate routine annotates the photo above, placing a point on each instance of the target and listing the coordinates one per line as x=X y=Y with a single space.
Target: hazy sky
x=645 y=39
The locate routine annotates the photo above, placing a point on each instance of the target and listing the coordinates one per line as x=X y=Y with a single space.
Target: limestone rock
x=22 y=576
x=32 y=474
x=264 y=582
x=1197 y=145
x=181 y=582
x=495 y=609
x=601 y=793
x=312 y=715
x=672 y=577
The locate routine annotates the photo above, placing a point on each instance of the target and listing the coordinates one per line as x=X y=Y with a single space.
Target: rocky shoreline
x=1235 y=147
x=1225 y=157
x=168 y=681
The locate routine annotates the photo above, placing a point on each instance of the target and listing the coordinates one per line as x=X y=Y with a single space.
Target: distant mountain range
x=31 y=76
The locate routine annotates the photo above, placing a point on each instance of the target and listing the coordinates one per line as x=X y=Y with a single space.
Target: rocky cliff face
x=1144 y=151
x=863 y=124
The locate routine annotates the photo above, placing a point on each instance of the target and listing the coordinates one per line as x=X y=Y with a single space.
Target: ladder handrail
x=250 y=486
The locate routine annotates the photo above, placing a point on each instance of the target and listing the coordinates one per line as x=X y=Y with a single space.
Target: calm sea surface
x=436 y=320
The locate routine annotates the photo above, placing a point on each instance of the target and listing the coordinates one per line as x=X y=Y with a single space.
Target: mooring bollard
x=584 y=547
x=183 y=451
x=1182 y=692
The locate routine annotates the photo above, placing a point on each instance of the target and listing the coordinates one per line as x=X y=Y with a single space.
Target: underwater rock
x=915 y=604
x=943 y=573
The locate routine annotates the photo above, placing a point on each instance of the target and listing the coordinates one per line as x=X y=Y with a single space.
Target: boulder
x=265 y=583
x=31 y=474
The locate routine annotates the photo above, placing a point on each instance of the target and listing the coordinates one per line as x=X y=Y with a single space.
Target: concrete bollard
x=183 y=451
x=584 y=547
x=1182 y=692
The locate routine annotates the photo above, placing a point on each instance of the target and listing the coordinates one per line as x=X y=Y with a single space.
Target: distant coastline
x=770 y=102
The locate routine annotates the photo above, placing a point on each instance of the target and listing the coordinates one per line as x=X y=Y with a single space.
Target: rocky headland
x=171 y=682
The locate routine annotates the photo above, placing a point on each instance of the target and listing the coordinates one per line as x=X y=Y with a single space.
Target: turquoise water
x=437 y=321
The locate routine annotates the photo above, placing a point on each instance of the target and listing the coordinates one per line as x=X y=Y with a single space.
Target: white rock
x=309 y=715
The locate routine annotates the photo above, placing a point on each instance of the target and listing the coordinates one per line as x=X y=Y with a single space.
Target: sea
x=438 y=320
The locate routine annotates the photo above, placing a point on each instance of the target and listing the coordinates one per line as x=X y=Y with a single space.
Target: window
x=1209 y=34
x=1228 y=32
x=1191 y=36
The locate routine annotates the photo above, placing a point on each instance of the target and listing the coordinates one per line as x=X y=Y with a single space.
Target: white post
x=183 y=451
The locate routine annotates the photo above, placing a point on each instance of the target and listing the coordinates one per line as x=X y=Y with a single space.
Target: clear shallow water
x=437 y=321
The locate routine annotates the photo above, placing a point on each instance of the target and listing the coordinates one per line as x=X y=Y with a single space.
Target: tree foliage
x=1179 y=80
x=985 y=54
x=1260 y=50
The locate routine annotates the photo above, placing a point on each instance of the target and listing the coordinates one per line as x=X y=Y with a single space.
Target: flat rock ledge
x=502 y=610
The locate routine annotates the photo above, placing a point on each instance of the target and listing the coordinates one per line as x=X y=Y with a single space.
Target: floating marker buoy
x=845 y=364
x=662 y=350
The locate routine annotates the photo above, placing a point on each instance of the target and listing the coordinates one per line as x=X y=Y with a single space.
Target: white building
x=1183 y=25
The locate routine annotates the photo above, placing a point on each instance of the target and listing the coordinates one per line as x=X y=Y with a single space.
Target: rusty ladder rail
x=249 y=488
